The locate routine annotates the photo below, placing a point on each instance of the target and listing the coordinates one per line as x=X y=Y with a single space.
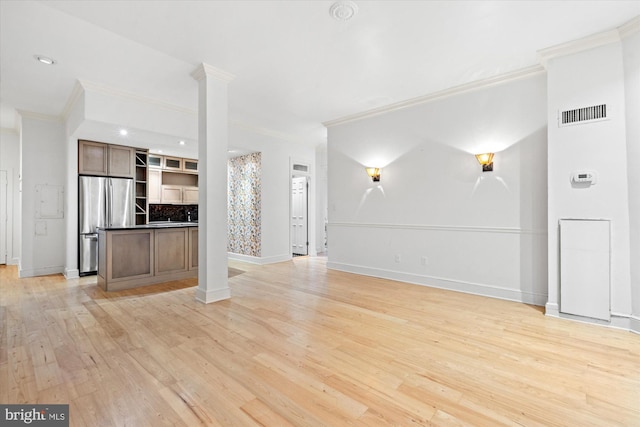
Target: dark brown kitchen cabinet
x=128 y=258
x=96 y=158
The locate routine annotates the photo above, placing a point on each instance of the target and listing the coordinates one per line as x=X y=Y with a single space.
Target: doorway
x=299 y=216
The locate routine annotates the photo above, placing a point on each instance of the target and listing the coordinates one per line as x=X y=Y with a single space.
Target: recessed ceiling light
x=343 y=10
x=181 y=142
x=45 y=59
x=123 y=132
x=159 y=151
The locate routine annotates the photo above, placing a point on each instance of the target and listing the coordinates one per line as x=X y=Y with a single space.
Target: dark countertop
x=155 y=225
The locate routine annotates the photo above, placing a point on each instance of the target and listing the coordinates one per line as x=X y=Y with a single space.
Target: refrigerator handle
x=109 y=194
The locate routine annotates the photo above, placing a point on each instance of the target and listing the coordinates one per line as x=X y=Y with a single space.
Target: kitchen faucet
x=188 y=216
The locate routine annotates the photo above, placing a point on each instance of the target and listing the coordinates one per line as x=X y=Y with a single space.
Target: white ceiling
x=295 y=66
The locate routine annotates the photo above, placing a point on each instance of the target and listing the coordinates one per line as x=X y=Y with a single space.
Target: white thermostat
x=584 y=177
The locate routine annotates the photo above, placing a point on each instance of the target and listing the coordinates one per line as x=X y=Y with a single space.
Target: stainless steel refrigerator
x=102 y=202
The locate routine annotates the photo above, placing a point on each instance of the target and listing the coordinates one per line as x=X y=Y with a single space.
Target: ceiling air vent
x=301 y=168
x=583 y=115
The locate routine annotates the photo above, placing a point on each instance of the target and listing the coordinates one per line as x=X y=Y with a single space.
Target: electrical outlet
x=397 y=258
x=424 y=260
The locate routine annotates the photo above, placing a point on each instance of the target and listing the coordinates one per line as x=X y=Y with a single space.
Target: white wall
x=631 y=60
x=321 y=198
x=591 y=77
x=276 y=188
x=435 y=218
x=44 y=162
x=10 y=161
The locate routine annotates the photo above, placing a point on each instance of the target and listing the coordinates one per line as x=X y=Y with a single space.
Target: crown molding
x=456 y=90
x=88 y=86
x=207 y=70
x=11 y=131
x=75 y=94
x=630 y=28
x=264 y=131
x=579 y=45
x=39 y=116
x=627 y=29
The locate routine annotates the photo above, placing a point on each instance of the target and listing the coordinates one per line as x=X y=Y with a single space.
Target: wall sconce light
x=374 y=173
x=486 y=160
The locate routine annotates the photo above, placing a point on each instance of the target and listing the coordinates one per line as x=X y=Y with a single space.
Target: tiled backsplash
x=173 y=213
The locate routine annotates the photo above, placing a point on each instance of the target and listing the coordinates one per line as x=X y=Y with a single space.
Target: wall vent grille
x=583 y=115
x=301 y=168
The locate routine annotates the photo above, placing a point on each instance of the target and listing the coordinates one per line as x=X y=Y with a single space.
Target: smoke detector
x=343 y=10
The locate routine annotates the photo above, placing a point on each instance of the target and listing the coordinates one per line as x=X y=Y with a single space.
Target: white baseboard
x=634 y=324
x=34 y=272
x=445 y=283
x=259 y=260
x=208 y=297
x=617 y=321
x=71 y=273
x=552 y=309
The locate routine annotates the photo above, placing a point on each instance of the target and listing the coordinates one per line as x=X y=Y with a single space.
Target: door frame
x=297 y=173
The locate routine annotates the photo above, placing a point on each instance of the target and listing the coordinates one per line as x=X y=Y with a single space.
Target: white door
x=299 y=239
x=3 y=216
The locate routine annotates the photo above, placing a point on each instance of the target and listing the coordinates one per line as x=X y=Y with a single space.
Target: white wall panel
x=479 y=232
x=584 y=268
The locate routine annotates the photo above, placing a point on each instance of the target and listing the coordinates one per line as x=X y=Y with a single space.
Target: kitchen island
x=141 y=255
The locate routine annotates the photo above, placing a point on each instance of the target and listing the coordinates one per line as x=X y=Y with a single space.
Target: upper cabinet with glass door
x=155 y=161
x=173 y=164
x=190 y=165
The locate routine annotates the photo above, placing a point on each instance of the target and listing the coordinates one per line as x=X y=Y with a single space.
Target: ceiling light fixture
x=123 y=132
x=343 y=10
x=181 y=142
x=45 y=59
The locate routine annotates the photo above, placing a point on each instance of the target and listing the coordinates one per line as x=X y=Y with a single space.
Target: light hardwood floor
x=300 y=345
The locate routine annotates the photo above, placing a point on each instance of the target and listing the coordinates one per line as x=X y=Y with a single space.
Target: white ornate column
x=213 y=284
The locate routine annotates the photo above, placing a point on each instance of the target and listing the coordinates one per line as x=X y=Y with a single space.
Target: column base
x=214 y=295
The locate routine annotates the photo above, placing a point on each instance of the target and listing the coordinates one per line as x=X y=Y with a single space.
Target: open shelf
x=142 y=191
